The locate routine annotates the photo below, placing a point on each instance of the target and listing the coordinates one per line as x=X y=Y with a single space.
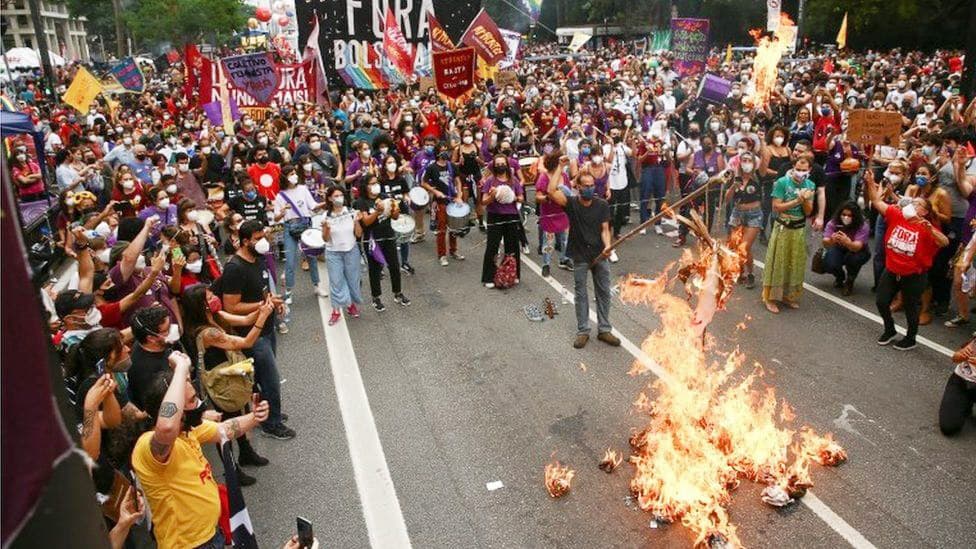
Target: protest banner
x=297 y=85
x=129 y=75
x=453 y=71
x=513 y=41
x=214 y=112
x=395 y=46
x=351 y=34
x=486 y=38
x=689 y=42
x=868 y=127
x=439 y=39
x=254 y=73
x=773 y=9
x=82 y=91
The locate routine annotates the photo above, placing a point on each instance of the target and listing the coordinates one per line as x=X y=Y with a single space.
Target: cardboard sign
x=256 y=74
x=454 y=71
x=506 y=78
x=867 y=127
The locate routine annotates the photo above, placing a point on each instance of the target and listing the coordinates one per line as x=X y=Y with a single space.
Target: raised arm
x=169 y=417
x=127 y=264
x=873 y=196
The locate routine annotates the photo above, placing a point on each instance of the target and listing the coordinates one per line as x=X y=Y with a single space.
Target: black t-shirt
x=215 y=167
x=394 y=188
x=586 y=228
x=381 y=227
x=441 y=178
x=251 y=209
x=748 y=193
x=146 y=365
x=250 y=281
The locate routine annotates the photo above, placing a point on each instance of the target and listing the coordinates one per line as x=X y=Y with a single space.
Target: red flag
x=395 y=46
x=198 y=84
x=453 y=71
x=483 y=35
x=439 y=39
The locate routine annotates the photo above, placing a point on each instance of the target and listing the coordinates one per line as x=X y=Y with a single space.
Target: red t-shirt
x=265 y=179
x=111 y=315
x=909 y=247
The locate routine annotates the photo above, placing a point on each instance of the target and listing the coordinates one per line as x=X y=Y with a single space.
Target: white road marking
x=381 y=507
x=819 y=508
x=865 y=313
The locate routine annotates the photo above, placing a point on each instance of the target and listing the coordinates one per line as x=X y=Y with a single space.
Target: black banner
x=351 y=33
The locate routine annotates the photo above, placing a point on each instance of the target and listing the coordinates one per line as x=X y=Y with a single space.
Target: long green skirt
x=786 y=262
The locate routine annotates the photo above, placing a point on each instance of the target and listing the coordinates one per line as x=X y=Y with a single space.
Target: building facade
x=66 y=35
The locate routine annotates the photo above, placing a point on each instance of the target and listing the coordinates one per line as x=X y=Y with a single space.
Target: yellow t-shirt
x=182 y=493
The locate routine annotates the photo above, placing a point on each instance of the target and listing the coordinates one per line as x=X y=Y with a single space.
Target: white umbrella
x=26 y=57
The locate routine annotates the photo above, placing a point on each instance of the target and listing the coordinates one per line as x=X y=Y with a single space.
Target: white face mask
x=307 y=166
x=778 y=141
x=929 y=108
x=714 y=126
x=141 y=263
x=467 y=140
x=183 y=167
x=171 y=189
x=800 y=176
x=205 y=150
x=374 y=189
x=195 y=266
x=894 y=178
x=262 y=246
x=479 y=136
x=384 y=150
x=315 y=145
x=263 y=141
x=909 y=211
x=877 y=103
x=163 y=203
x=293 y=178
x=597 y=159
x=93 y=317
x=746 y=126
x=747 y=167
x=339 y=200
x=193 y=215
x=126 y=141
x=391 y=167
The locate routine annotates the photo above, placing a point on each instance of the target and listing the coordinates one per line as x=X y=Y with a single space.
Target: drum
x=714 y=89
x=204 y=217
x=528 y=168
x=457 y=216
x=404 y=227
x=504 y=194
x=419 y=198
x=311 y=243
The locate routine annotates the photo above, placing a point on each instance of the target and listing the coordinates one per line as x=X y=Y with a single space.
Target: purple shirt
x=836 y=156
x=158 y=293
x=552 y=217
x=420 y=162
x=861 y=235
x=497 y=207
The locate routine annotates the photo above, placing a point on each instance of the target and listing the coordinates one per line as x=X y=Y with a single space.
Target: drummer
x=394 y=185
x=442 y=181
x=467 y=157
x=503 y=217
x=379 y=240
x=294 y=207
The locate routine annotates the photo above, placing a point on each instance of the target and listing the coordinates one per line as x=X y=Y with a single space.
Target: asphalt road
x=465 y=391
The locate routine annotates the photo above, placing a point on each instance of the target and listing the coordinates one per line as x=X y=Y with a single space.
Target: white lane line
x=381 y=507
x=819 y=508
x=865 y=313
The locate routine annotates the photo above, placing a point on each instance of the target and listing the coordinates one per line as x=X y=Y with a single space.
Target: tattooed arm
x=91 y=420
x=169 y=418
x=239 y=426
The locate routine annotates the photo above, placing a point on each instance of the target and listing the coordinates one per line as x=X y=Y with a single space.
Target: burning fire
x=558 y=479
x=709 y=428
x=611 y=459
x=768 y=53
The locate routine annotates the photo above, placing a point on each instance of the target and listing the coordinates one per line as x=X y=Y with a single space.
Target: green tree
x=890 y=23
x=101 y=21
x=184 y=21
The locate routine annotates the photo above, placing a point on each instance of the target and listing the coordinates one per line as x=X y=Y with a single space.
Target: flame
x=558 y=479
x=611 y=459
x=769 y=51
x=710 y=424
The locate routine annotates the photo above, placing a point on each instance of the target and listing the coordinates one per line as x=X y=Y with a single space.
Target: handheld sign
x=867 y=127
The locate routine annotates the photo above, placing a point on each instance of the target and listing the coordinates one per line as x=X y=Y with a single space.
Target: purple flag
x=212 y=110
x=255 y=74
x=689 y=42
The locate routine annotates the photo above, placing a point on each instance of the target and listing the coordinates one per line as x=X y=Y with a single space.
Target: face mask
x=339 y=200
x=479 y=136
x=467 y=140
x=628 y=123
x=262 y=246
x=263 y=160
x=825 y=111
x=93 y=317
x=747 y=168
x=588 y=193
x=141 y=263
x=929 y=108
x=193 y=215
x=585 y=150
x=126 y=141
x=928 y=150
x=171 y=189
x=195 y=266
x=391 y=167
x=214 y=304
x=205 y=150
x=800 y=175
x=429 y=149
x=499 y=169
x=364 y=153
x=921 y=180
x=315 y=145
x=307 y=166
x=183 y=167
x=909 y=211
x=263 y=141
x=293 y=178
x=831 y=86
x=163 y=203
x=894 y=178
x=902 y=84
x=374 y=189
x=597 y=159
x=746 y=126
x=902 y=154
x=250 y=195
x=877 y=103
x=778 y=141
x=714 y=126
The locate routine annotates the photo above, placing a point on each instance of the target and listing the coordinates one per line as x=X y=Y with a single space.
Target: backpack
x=506 y=273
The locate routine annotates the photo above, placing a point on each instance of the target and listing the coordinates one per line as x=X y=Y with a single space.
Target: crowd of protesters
x=188 y=239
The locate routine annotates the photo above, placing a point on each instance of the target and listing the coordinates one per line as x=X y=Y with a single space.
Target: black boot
x=248 y=455
x=245 y=479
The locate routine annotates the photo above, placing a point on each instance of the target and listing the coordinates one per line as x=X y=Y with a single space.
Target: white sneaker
x=642 y=231
x=321 y=290
x=613 y=257
x=288 y=298
x=443 y=261
x=489 y=285
x=658 y=230
x=526 y=249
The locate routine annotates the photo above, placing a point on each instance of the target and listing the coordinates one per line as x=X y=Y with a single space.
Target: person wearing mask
x=589 y=239
x=72 y=173
x=207 y=342
x=441 y=180
x=380 y=240
x=317 y=183
x=652 y=180
x=294 y=207
x=321 y=160
x=141 y=164
x=911 y=242
x=264 y=173
x=959 y=395
x=161 y=207
x=394 y=185
x=956 y=176
x=745 y=132
x=207 y=164
x=775 y=162
x=846 y=240
x=744 y=195
x=840 y=182
x=27 y=177
x=129 y=193
x=703 y=165
x=246 y=285
x=420 y=159
x=151 y=329
x=250 y=204
x=553 y=221
x=940 y=203
x=503 y=218
x=360 y=165
x=620 y=155
x=122 y=154
x=128 y=270
x=169 y=462
x=91 y=374
x=801 y=128
x=341 y=231
x=467 y=157
x=786 y=255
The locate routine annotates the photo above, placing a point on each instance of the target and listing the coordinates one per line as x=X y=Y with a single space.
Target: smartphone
x=119 y=206
x=100 y=367
x=305 y=536
x=177 y=253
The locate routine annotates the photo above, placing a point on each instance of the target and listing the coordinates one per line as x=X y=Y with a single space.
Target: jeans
x=389 y=249
x=652 y=186
x=957 y=404
x=838 y=258
x=940 y=274
x=405 y=253
x=291 y=258
x=550 y=242
x=216 y=542
x=344 y=275
x=501 y=226
x=911 y=288
x=619 y=209
x=266 y=376
x=601 y=285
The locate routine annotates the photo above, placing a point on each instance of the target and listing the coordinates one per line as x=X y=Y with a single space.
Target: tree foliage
x=183 y=21
x=101 y=21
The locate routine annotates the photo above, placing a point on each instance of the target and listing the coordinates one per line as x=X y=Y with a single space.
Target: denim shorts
x=752 y=219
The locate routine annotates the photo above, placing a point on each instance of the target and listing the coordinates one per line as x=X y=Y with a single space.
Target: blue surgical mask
x=585 y=150
x=429 y=149
x=250 y=195
x=921 y=180
x=587 y=192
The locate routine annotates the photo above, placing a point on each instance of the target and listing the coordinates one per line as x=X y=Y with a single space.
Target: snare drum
x=528 y=169
x=419 y=198
x=404 y=227
x=457 y=216
x=311 y=243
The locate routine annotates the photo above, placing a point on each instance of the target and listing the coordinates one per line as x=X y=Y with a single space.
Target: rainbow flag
x=359 y=77
x=535 y=9
x=6 y=104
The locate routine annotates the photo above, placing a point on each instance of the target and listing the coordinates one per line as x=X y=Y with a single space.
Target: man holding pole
x=589 y=238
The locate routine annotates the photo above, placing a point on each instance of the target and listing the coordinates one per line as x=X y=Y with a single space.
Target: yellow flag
x=82 y=91
x=728 y=54
x=842 y=33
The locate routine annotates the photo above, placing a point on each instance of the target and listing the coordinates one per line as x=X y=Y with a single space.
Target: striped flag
x=240 y=521
x=313 y=55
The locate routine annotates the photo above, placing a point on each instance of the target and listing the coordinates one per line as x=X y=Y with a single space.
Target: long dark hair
x=84 y=356
x=194 y=307
x=856 y=213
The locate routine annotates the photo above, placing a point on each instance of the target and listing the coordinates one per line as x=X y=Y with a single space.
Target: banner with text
x=513 y=41
x=351 y=34
x=486 y=38
x=773 y=9
x=454 y=71
x=296 y=85
x=129 y=75
x=255 y=73
x=689 y=43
